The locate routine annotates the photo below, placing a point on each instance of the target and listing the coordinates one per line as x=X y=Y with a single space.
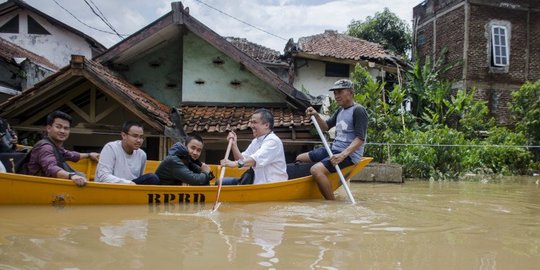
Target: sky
x=266 y=22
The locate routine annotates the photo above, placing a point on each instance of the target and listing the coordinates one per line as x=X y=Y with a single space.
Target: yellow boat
x=16 y=189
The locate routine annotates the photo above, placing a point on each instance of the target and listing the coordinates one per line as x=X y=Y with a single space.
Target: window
x=35 y=28
x=499 y=46
x=12 y=26
x=337 y=70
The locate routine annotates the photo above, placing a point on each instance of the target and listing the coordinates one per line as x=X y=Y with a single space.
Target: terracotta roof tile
x=258 y=52
x=223 y=119
x=147 y=103
x=334 y=44
x=8 y=51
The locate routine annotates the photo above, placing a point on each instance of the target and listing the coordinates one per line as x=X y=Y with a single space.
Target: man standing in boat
x=123 y=161
x=351 y=122
x=265 y=154
x=48 y=156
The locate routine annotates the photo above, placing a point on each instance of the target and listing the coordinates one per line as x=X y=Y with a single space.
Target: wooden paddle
x=330 y=154
x=221 y=175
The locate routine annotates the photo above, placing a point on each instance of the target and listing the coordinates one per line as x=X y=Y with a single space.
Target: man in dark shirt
x=182 y=165
x=43 y=157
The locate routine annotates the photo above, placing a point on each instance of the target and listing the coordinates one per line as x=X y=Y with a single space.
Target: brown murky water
x=417 y=225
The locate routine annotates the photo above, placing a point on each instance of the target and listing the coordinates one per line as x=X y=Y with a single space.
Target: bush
x=498 y=156
x=525 y=107
x=420 y=159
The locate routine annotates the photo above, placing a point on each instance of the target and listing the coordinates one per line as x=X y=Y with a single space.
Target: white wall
x=311 y=77
x=57 y=47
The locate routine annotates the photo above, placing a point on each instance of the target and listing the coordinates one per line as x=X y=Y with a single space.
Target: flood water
x=492 y=224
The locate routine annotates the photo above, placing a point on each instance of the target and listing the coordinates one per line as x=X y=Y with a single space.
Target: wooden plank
x=106 y=112
x=78 y=111
x=93 y=105
x=72 y=94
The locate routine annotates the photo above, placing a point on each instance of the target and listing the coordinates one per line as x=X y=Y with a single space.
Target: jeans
x=147 y=179
x=228 y=181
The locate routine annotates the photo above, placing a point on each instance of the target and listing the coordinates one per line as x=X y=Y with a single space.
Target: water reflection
x=417 y=225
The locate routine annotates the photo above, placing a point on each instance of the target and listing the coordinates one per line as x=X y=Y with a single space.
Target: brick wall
x=534 y=61
x=493 y=84
x=479 y=66
x=450 y=34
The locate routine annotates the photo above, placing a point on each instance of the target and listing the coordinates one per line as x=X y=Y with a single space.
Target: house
x=35 y=31
x=98 y=100
x=20 y=69
x=174 y=62
x=317 y=61
x=269 y=58
x=497 y=42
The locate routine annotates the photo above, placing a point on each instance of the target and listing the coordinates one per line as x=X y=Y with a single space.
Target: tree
x=384 y=28
x=525 y=107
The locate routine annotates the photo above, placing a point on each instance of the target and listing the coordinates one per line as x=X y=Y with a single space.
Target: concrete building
x=37 y=32
x=20 y=69
x=317 y=61
x=497 y=42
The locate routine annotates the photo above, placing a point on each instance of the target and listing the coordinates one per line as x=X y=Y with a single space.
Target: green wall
x=199 y=66
x=159 y=71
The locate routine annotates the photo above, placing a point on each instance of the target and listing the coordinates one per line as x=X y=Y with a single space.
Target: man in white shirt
x=123 y=161
x=265 y=154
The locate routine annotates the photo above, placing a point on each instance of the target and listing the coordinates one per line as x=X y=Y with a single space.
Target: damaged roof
x=258 y=52
x=10 y=51
x=134 y=99
x=339 y=46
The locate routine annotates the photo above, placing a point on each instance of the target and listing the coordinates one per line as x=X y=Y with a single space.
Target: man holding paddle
x=351 y=122
x=265 y=154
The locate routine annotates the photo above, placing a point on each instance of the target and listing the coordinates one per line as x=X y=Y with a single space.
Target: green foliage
x=448 y=132
x=431 y=153
x=509 y=158
x=426 y=88
x=386 y=115
x=473 y=116
x=525 y=106
x=385 y=28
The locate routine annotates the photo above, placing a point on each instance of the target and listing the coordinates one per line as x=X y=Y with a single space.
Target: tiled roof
x=258 y=52
x=147 y=103
x=8 y=51
x=224 y=118
x=341 y=46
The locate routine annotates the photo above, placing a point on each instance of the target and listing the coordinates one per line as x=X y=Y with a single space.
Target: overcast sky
x=283 y=19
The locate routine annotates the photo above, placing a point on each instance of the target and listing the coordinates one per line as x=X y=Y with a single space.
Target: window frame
x=497 y=48
x=332 y=69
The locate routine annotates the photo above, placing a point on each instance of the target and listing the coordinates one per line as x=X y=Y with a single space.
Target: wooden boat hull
x=33 y=190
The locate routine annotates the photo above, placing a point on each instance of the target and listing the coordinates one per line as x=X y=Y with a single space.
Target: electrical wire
x=83 y=23
x=102 y=17
x=246 y=23
x=455 y=145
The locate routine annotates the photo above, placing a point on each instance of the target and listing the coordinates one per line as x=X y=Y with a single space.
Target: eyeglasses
x=136 y=136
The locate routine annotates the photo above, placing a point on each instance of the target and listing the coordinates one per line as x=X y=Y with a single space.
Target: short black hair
x=58 y=114
x=192 y=137
x=128 y=124
x=266 y=116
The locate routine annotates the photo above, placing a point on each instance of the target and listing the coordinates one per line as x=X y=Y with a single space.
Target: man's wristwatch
x=240 y=163
x=71 y=174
